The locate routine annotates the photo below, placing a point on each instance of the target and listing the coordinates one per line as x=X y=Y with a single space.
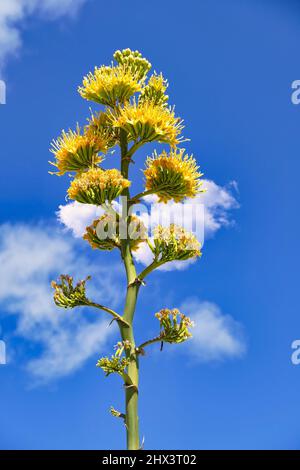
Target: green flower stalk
x=134 y=111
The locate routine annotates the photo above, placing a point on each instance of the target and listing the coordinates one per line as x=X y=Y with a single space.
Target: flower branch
x=66 y=295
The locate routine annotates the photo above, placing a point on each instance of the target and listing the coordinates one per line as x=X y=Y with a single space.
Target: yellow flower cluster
x=172 y=176
x=174 y=325
x=174 y=243
x=97 y=186
x=102 y=234
x=110 y=85
x=75 y=151
x=155 y=90
x=106 y=233
x=112 y=365
x=148 y=122
x=100 y=125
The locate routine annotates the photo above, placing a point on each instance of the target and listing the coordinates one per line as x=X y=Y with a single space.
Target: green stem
x=127 y=333
x=157 y=339
x=149 y=269
x=134 y=148
x=108 y=310
x=139 y=196
x=131 y=393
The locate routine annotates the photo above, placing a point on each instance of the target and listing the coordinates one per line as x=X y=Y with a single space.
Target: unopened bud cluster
x=67 y=295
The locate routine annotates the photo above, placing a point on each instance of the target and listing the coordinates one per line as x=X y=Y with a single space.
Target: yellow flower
x=104 y=233
x=174 y=243
x=110 y=85
x=100 y=125
x=172 y=175
x=148 y=122
x=106 y=224
x=154 y=91
x=75 y=151
x=97 y=186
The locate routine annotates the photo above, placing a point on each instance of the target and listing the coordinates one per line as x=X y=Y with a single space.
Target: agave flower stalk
x=128 y=122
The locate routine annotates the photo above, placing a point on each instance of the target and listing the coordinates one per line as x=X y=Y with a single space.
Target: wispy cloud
x=216 y=336
x=29 y=258
x=14 y=12
x=67 y=349
x=218 y=202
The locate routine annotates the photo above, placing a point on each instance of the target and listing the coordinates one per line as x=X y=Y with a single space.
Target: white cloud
x=215 y=336
x=218 y=202
x=69 y=348
x=29 y=258
x=14 y=12
x=205 y=215
x=76 y=216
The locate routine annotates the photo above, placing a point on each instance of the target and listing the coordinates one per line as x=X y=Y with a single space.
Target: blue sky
x=230 y=65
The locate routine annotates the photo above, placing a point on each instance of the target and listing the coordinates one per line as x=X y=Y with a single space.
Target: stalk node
x=132 y=386
x=119 y=320
x=140 y=351
x=137 y=282
x=128 y=158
